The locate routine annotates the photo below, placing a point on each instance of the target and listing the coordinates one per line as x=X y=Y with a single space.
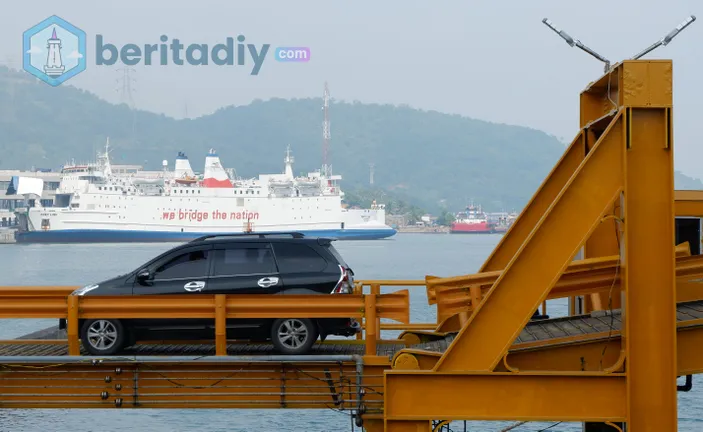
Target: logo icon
x=54 y=50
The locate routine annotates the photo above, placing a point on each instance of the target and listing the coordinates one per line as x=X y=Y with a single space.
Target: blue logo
x=54 y=50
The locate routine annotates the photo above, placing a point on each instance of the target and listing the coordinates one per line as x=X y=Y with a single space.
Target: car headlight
x=85 y=289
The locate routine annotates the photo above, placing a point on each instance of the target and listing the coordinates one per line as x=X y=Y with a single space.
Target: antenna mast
x=326 y=168
x=126 y=96
x=126 y=88
x=371 y=172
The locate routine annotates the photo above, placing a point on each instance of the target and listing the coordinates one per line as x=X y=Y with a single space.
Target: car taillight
x=346 y=282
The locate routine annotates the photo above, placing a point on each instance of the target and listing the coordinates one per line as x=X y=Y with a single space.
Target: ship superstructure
x=93 y=204
x=472 y=221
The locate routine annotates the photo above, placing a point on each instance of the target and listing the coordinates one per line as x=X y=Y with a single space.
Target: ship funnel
x=289 y=164
x=215 y=175
x=182 y=168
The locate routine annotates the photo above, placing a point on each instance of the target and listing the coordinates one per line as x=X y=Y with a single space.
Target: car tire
x=103 y=336
x=293 y=336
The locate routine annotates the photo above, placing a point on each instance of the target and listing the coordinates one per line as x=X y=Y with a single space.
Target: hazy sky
x=494 y=60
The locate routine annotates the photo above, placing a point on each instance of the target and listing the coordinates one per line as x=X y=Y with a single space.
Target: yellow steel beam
x=529 y=217
x=618 y=166
x=538 y=264
x=418 y=395
x=603 y=242
x=594 y=108
x=650 y=296
x=688 y=203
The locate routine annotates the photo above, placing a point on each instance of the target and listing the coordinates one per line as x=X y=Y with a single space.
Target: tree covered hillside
x=435 y=160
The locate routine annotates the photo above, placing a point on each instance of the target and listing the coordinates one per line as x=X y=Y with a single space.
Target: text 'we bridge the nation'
x=199 y=216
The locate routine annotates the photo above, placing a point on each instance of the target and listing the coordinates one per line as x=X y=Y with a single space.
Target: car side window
x=187 y=265
x=298 y=258
x=243 y=261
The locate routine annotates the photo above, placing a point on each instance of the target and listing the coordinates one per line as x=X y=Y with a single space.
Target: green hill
x=428 y=158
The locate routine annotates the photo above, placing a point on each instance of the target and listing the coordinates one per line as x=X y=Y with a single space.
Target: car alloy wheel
x=293 y=335
x=103 y=337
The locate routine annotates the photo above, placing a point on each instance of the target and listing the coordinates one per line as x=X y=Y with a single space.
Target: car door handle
x=267 y=282
x=194 y=286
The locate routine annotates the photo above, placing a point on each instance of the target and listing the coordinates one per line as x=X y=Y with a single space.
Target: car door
x=183 y=273
x=244 y=268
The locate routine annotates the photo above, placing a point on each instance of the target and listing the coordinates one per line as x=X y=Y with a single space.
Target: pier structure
x=606 y=229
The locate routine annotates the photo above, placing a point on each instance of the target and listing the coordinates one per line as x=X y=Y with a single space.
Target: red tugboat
x=472 y=221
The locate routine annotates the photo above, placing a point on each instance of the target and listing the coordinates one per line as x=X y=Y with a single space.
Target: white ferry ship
x=93 y=204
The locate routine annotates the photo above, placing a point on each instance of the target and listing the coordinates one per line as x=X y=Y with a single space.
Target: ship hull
x=470 y=232
x=472 y=229
x=138 y=236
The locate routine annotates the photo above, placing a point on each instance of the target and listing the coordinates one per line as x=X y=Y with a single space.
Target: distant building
x=51 y=182
x=396 y=220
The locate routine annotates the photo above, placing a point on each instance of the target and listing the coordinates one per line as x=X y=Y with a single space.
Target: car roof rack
x=296 y=235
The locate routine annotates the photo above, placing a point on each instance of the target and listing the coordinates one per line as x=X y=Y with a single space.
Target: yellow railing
x=374 y=287
x=55 y=302
x=461 y=294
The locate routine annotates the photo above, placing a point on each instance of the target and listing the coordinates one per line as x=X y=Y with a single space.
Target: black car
x=284 y=263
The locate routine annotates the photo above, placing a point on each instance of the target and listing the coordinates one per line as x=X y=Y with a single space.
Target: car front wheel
x=293 y=336
x=103 y=337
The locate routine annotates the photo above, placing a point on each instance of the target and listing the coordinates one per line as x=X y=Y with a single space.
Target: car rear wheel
x=293 y=336
x=103 y=337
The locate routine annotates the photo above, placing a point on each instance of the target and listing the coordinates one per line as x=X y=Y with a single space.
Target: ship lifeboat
x=281 y=184
x=186 y=180
x=308 y=183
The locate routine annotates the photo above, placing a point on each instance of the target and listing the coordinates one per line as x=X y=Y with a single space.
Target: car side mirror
x=143 y=275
